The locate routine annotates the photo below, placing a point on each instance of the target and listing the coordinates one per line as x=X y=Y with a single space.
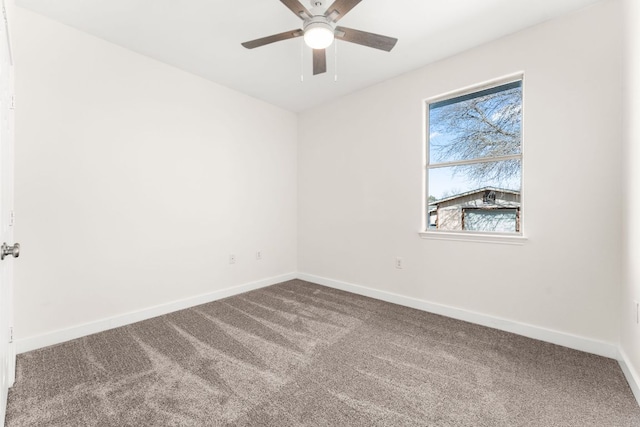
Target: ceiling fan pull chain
x=335 y=61
x=301 y=60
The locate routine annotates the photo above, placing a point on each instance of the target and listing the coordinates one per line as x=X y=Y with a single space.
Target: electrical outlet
x=258 y=255
x=399 y=262
x=232 y=259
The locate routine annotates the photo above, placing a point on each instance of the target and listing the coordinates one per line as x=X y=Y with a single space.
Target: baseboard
x=630 y=374
x=556 y=337
x=32 y=343
x=575 y=342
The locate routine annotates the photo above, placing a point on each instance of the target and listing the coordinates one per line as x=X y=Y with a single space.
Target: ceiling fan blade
x=296 y=7
x=339 y=8
x=272 y=39
x=375 y=41
x=319 y=61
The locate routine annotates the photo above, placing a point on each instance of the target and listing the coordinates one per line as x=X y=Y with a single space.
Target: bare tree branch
x=480 y=128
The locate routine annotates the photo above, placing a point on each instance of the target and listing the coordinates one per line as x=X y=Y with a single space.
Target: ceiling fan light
x=318 y=35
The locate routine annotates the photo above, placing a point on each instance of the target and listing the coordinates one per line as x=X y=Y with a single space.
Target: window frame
x=517 y=238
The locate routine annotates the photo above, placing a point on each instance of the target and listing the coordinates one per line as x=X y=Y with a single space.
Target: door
x=7 y=348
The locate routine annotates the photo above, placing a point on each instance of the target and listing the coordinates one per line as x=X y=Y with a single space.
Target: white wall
x=630 y=338
x=135 y=181
x=360 y=182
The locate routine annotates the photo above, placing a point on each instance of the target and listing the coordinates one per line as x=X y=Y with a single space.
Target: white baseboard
x=630 y=374
x=556 y=337
x=55 y=337
x=575 y=342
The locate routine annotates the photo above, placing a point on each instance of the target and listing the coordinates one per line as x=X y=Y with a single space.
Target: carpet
x=300 y=354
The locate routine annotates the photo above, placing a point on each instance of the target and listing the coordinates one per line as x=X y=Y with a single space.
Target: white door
x=7 y=349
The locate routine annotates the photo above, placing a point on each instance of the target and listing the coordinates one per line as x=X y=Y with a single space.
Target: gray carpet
x=299 y=354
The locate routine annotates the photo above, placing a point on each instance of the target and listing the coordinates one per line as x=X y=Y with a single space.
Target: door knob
x=6 y=250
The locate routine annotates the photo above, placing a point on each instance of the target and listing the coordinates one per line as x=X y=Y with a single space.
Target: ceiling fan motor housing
x=318 y=21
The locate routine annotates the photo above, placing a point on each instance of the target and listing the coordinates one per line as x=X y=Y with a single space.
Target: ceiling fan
x=319 y=30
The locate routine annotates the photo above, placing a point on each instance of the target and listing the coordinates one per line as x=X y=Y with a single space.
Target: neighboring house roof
x=479 y=190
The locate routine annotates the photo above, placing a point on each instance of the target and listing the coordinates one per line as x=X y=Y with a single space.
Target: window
x=474 y=160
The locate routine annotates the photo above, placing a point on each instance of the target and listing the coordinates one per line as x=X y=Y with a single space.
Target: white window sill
x=501 y=239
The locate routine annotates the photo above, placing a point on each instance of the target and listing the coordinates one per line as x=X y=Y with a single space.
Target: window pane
x=480 y=125
x=482 y=196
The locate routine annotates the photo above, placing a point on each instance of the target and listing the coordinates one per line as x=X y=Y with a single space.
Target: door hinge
x=10 y=334
x=12 y=218
x=12 y=105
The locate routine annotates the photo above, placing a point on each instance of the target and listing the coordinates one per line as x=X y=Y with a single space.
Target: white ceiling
x=203 y=37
